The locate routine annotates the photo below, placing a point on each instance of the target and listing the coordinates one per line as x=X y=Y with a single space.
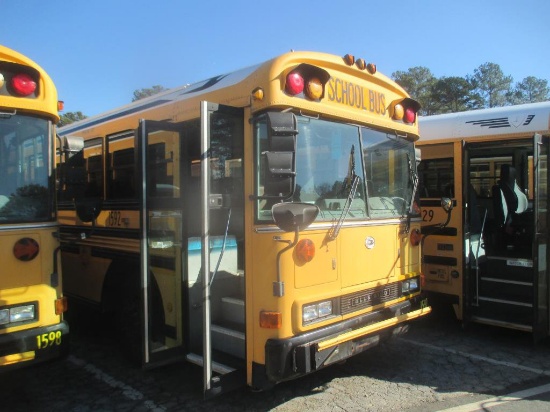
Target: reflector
x=270 y=320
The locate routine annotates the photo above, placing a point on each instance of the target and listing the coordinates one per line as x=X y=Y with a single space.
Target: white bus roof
x=166 y=97
x=524 y=118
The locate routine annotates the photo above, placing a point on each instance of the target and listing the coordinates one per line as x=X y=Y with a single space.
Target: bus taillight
x=23 y=84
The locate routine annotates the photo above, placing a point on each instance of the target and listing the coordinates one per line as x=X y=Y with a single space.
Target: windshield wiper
x=333 y=234
x=414 y=180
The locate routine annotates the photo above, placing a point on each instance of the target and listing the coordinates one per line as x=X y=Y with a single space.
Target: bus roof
x=266 y=74
x=512 y=120
x=159 y=99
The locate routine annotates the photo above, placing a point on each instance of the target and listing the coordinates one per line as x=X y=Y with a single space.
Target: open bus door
x=221 y=275
x=506 y=280
x=540 y=246
x=161 y=222
x=192 y=225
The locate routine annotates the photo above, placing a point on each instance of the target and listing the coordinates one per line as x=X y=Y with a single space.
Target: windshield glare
x=329 y=155
x=25 y=192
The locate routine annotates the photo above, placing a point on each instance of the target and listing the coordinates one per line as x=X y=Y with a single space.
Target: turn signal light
x=305 y=250
x=415 y=237
x=271 y=320
x=416 y=209
x=61 y=305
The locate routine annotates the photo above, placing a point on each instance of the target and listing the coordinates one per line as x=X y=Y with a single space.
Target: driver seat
x=508 y=198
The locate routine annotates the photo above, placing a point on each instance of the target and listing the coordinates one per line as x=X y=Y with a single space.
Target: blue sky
x=99 y=52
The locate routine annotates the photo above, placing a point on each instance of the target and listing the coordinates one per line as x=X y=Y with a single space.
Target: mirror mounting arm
x=279 y=285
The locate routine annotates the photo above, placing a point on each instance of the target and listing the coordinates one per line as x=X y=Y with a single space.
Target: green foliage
x=454 y=94
x=491 y=84
x=70 y=117
x=530 y=90
x=418 y=82
x=487 y=87
x=143 y=93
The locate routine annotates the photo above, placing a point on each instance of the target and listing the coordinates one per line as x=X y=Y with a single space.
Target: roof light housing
x=307 y=81
x=404 y=110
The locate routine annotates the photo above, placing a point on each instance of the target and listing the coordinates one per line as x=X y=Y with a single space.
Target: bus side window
x=121 y=184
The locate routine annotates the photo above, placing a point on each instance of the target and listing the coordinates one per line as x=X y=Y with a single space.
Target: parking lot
x=436 y=366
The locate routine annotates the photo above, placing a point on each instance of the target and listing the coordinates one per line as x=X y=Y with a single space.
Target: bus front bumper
x=299 y=355
x=18 y=349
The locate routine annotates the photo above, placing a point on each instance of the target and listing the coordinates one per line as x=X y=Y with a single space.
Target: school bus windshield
x=25 y=193
x=328 y=156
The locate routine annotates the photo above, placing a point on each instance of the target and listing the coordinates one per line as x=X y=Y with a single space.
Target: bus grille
x=367 y=298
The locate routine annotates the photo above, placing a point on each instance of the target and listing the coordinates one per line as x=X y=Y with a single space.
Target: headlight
x=325 y=308
x=4 y=316
x=21 y=313
x=310 y=313
x=16 y=314
x=316 y=311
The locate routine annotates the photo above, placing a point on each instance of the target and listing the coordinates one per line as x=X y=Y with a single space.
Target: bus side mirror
x=446 y=204
x=280 y=158
x=291 y=217
x=72 y=145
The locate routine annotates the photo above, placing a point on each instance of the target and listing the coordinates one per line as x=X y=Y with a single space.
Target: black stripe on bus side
x=440 y=260
x=107 y=205
x=445 y=231
x=100 y=252
x=433 y=203
x=101 y=231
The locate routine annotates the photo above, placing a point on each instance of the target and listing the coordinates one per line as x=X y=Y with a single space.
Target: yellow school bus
x=260 y=223
x=32 y=328
x=489 y=261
